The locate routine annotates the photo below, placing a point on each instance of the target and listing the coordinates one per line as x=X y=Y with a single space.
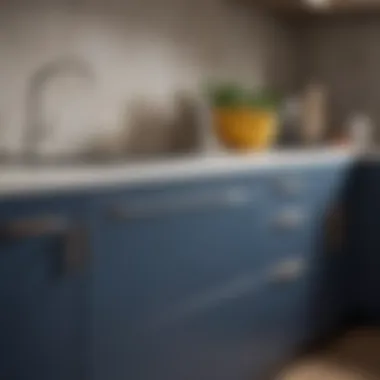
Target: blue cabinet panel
x=315 y=219
x=224 y=339
x=184 y=280
x=41 y=299
x=222 y=278
x=166 y=253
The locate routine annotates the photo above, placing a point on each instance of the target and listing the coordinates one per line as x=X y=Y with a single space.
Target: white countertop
x=24 y=180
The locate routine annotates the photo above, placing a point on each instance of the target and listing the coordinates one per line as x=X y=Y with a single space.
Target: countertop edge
x=26 y=180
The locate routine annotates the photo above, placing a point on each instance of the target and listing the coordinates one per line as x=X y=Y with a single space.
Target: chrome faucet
x=34 y=130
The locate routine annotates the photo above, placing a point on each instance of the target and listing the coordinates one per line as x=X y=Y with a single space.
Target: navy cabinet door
x=364 y=238
x=175 y=282
x=41 y=291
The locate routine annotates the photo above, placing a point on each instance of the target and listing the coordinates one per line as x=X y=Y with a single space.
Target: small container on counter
x=314 y=114
x=361 y=131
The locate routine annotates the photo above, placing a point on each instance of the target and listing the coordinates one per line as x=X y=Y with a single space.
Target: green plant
x=264 y=99
x=233 y=95
x=226 y=95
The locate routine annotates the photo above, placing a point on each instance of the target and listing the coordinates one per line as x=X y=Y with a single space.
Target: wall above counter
x=319 y=7
x=146 y=56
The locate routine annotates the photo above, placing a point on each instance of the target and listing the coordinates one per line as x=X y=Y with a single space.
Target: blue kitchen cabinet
x=304 y=219
x=218 y=279
x=329 y=301
x=42 y=285
x=175 y=270
x=223 y=278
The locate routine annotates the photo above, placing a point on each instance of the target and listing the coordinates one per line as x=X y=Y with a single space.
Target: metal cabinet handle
x=287 y=271
x=290 y=219
x=289 y=186
x=188 y=202
x=33 y=227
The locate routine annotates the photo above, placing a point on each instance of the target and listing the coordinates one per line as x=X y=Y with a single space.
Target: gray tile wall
x=143 y=53
x=343 y=53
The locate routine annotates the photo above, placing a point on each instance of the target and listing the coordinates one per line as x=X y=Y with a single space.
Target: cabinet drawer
x=303 y=308
x=176 y=198
x=307 y=187
x=180 y=203
x=288 y=230
x=177 y=241
x=227 y=334
x=285 y=307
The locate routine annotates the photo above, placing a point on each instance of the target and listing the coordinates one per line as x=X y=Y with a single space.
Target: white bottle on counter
x=208 y=141
x=314 y=113
x=361 y=131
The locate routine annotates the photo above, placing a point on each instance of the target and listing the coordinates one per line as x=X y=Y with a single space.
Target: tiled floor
x=355 y=356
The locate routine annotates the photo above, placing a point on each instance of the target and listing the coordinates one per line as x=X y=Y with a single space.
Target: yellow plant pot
x=245 y=128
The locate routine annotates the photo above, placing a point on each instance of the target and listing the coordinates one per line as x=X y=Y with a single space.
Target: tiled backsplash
x=343 y=53
x=147 y=56
x=144 y=53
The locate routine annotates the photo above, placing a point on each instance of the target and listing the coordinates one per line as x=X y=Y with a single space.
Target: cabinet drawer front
x=307 y=187
x=42 y=293
x=175 y=197
x=230 y=335
x=298 y=220
x=285 y=308
x=287 y=230
x=181 y=257
x=182 y=202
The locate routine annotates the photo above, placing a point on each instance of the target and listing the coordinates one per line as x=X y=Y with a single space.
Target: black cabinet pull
x=72 y=234
x=33 y=227
x=76 y=249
